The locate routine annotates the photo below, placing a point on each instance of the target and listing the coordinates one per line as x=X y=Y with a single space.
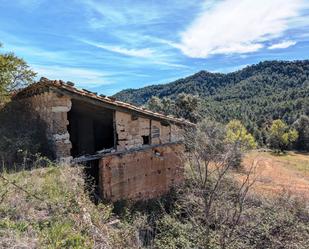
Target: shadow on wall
x=23 y=136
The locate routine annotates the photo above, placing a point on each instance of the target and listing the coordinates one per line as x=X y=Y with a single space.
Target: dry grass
x=280 y=173
x=56 y=214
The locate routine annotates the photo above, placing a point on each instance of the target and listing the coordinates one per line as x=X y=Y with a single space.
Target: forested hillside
x=256 y=95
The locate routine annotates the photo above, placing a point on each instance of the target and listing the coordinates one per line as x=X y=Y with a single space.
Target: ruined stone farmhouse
x=134 y=153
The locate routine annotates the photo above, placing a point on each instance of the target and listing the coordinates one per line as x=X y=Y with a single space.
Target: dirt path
x=275 y=174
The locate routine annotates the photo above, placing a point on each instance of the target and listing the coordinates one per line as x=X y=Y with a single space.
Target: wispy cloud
x=111 y=45
x=238 y=26
x=124 y=13
x=143 y=52
x=34 y=52
x=169 y=64
x=138 y=13
x=284 y=44
x=148 y=55
x=85 y=78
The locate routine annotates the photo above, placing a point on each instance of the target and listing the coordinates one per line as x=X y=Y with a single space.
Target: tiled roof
x=45 y=83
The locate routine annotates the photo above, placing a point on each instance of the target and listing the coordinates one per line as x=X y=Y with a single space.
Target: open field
x=276 y=174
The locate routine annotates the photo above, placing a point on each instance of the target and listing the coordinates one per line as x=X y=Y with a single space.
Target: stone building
x=135 y=153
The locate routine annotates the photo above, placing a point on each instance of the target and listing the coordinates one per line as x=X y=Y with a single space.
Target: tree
x=280 y=136
x=302 y=127
x=154 y=104
x=187 y=106
x=184 y=106
x=168 y=106
x=255 y=95
x=14 y=74
x=211 y=158
x=237 y=133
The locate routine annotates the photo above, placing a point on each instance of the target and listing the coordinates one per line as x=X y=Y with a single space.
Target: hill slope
x=258 y=79
x=256 y=94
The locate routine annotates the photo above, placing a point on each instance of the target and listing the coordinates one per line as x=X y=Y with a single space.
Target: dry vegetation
x=48 y=208
x=280 y=173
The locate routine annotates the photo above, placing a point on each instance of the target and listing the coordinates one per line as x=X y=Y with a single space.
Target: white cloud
x=229 y=69
x=238 y=26
x=284 y=44
x=143 y=53
x=82 y=77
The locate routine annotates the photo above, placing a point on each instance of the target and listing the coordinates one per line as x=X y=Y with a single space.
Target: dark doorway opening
x=91 y=171
x=146 y=140
x=90 y=127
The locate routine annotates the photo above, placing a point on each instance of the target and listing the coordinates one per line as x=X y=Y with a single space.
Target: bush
x=172 y=234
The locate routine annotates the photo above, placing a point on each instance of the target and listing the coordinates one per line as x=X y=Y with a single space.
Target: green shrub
x=63 y=235
x=173 y=234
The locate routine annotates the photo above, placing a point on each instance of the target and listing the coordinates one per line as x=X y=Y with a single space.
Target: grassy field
x=276 y=174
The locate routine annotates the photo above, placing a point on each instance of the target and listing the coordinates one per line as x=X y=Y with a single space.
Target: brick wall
x=141 y=174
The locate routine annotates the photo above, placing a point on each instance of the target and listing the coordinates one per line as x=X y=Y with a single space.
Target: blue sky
x=110 y=45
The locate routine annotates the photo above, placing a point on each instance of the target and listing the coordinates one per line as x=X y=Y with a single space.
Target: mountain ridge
x=256 y=95
x=205 y=84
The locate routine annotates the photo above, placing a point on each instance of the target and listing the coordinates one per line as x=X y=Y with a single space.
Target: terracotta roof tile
x=45 y=83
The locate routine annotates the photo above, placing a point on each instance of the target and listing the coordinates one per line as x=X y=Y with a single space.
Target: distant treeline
x=255 y=95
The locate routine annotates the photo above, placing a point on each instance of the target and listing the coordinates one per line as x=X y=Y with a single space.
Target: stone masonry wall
x=131 y=130
x=160 y=134
x=53 y=108
x=176 y=133
x=143 y=174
